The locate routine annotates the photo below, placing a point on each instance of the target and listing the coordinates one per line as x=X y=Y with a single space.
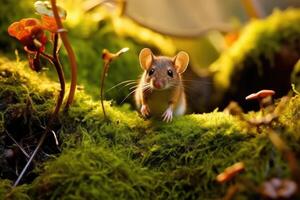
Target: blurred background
x=236 y=46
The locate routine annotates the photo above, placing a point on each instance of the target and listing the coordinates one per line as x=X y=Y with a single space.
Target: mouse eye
x=170 y=73
x=151 y=71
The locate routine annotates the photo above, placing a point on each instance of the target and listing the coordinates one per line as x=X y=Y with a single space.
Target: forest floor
x=132 y=158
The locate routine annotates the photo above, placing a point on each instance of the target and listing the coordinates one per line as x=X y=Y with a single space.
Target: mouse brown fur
x=160 y=91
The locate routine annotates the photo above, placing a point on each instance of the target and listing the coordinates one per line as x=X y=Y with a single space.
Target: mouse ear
x=181 y=61
x=146 y=58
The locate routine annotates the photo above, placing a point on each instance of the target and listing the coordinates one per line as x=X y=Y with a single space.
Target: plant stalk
x=71 y=55
x=104 y=73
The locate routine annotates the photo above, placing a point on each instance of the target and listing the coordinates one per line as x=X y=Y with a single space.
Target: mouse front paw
x=168 y=115
x=145 y=111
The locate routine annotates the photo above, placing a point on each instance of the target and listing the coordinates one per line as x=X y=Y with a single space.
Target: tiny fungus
x=30 y=33
x=230 y=172
x=107 y=58
x=263 y=94
x=278 y=189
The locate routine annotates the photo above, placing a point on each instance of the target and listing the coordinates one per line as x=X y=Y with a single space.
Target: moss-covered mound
x=129 y=158
x=263 y=57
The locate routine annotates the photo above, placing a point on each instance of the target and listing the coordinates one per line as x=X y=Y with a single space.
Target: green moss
x=296 y=76
x=91 y=172
x=130 y=158
x=8 y=192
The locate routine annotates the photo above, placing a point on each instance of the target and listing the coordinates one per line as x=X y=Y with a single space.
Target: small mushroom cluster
x=278 y=188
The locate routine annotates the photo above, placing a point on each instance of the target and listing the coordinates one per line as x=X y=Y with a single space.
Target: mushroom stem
x=104 y=74
x=60 y=73
x=261 y=106
x=233 y=189
x=70 y=52
x=55 y=61
x=107 y=58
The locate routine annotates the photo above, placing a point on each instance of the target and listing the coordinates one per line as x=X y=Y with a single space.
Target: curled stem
x=70 y=52
x=104 y=74
x=55 y=61
x=108 y=57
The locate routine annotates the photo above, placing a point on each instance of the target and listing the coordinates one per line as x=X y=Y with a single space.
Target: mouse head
x=163 y=72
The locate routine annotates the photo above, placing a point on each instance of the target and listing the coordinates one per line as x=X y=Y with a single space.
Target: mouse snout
x=159 y=84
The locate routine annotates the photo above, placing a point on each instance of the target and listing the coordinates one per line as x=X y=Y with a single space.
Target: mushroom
x=263 y=96
x=230 y=172
x=107 y=58
x=278 y=189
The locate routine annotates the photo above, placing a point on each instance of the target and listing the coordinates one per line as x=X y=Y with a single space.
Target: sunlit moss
x=259 y=39
x=296 y=76
x=130 y=158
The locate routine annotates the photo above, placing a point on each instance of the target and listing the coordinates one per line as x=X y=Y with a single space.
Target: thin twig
x=30 y=159
x=18 y=145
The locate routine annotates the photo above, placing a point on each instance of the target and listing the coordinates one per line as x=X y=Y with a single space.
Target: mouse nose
x=158 y=84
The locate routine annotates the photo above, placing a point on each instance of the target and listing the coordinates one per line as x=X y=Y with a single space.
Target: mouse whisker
x=129 y=84
x=145 y=88
x=133 y=87
x=203 y=82
x=174 y=85
x=121 y=83
x=128 y=95
x=136 y=86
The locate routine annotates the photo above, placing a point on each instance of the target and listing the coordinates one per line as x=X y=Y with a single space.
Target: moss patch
x=263 y=57
x=130 y=158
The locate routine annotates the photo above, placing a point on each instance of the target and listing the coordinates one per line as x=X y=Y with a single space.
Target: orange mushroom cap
x=261 y=94
x=26 y=31
x=230 y=172
x=108 y=56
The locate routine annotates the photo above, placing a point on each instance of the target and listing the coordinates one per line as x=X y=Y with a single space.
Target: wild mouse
x=160 y=91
